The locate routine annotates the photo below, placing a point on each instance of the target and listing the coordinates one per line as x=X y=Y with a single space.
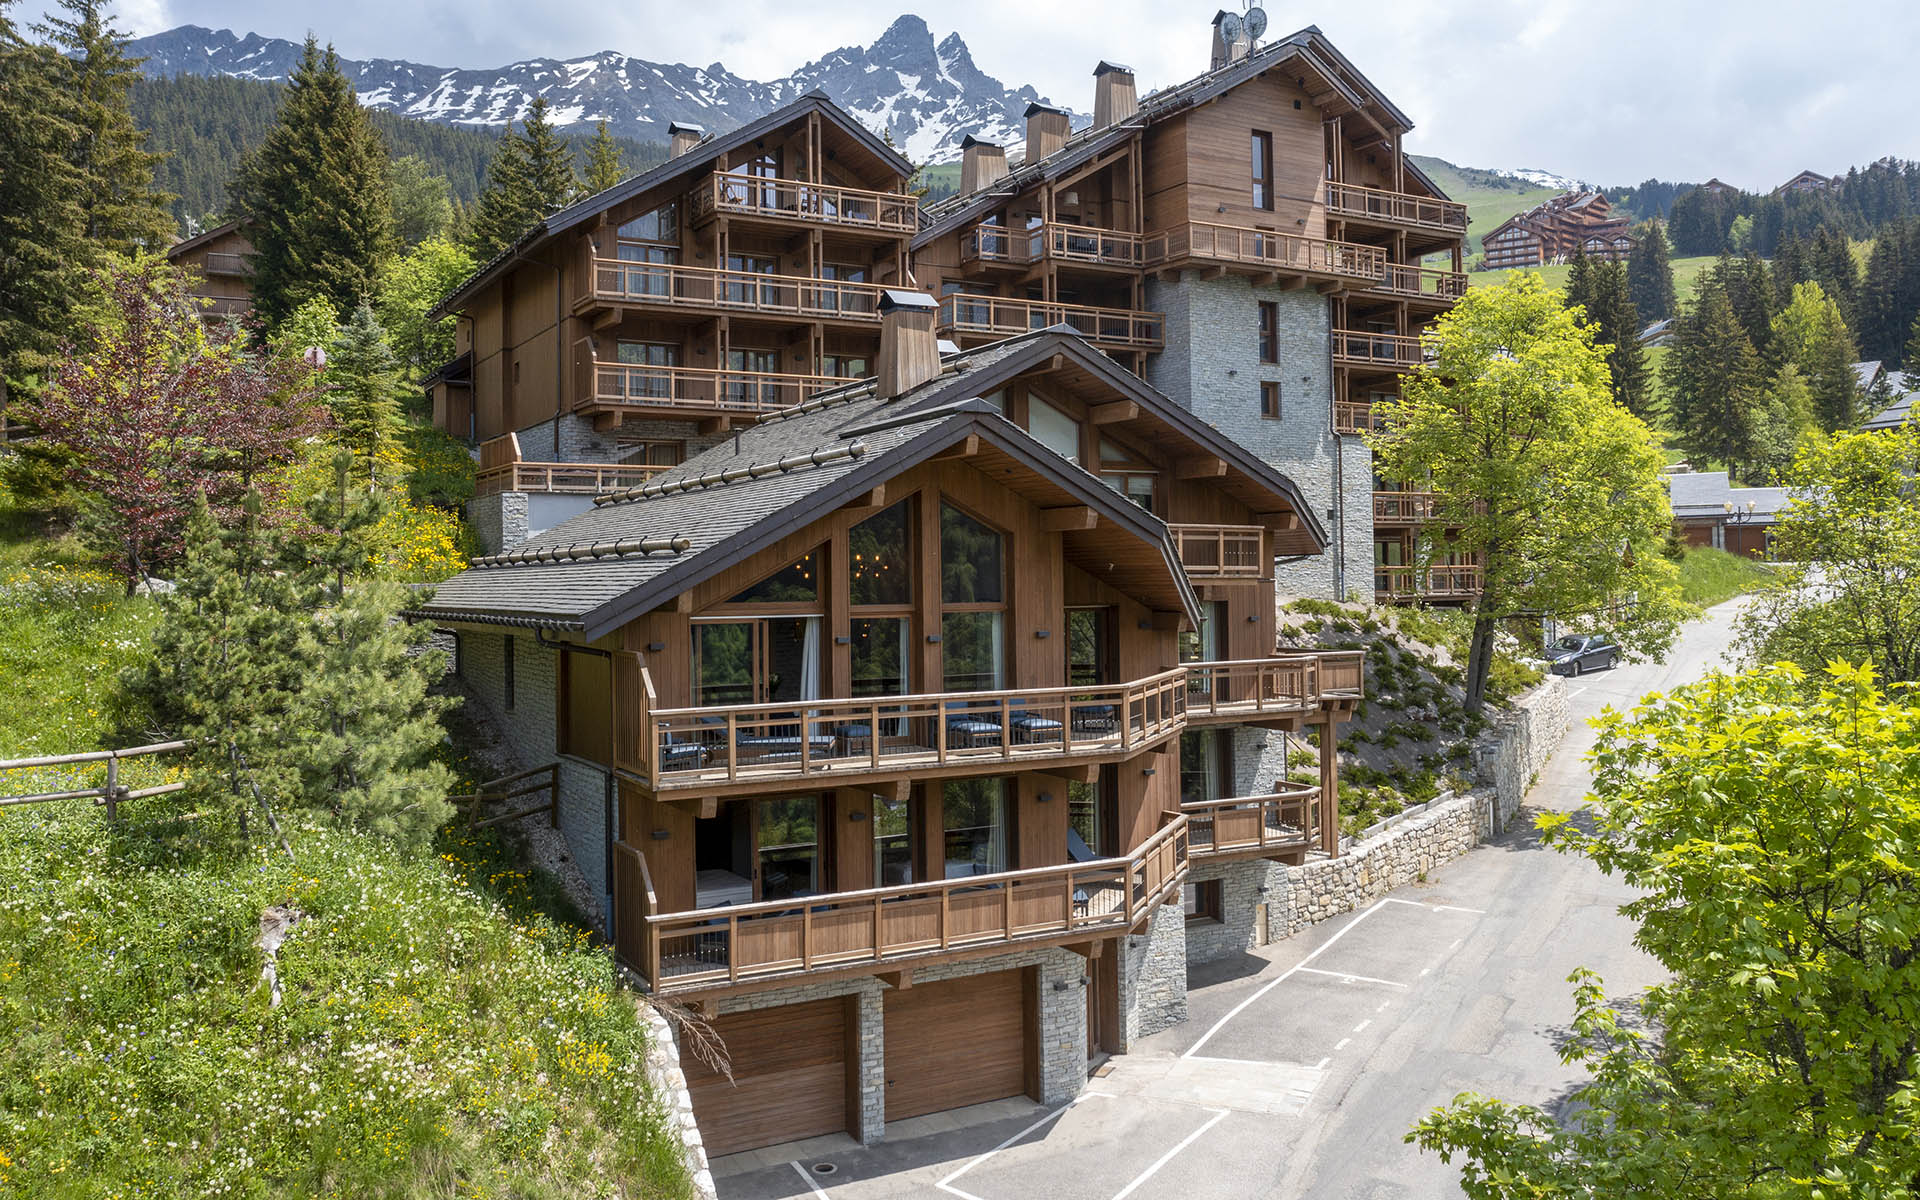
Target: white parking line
x=946 y=1185
x=1322 y=1064
x=1341 y=1044
x=1478 y=912
x=1383 y=1006
x=814 y=1187
x=1219 y=1115
x=1362 y=1025
x=1350 y=978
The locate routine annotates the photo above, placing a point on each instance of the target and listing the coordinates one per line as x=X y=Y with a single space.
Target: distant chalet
x=1553 y=231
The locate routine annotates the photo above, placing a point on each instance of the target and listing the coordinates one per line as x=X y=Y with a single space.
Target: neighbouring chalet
x=1551 y=232
x=1809 y=181
x=1711 y=512
x=627 y=332
x=918 y=734
x=223 y=256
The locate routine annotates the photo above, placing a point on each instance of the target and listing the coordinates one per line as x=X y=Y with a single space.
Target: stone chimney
x=909 y=352
x=982 y=164
x=685 y=138
x=1047 y=130
x=1113 y=98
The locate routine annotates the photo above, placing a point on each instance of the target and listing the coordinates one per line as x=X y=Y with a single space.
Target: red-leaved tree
x=162 y=407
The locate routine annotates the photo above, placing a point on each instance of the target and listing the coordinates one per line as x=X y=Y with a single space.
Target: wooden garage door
x=789 y=1077
x=959 y=1041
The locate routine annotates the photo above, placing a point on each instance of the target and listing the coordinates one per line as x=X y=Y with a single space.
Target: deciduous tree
x=422 y=201
x=414 y=283
x=1812 y=333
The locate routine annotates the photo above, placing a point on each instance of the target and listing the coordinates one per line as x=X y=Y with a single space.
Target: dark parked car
x=1582 y=652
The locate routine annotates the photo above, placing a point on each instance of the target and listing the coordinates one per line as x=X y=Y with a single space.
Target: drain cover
x=824 y=1168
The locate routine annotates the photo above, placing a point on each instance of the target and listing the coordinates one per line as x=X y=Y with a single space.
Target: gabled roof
x=1893 y=416
x=1698 y=494
x=1864 y=373
x=185 y=245
x=1309 y=46
x=698 y=158
x=795 y=467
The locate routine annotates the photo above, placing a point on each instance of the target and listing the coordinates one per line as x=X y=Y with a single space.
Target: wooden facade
x=1553 y=231
x=223 y=259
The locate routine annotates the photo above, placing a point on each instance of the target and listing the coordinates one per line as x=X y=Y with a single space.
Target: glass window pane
x=660 y=225
x=723 y=663
x=971 y=651
x=789 y=847
x=1087 y=647
x=882 y=570
x=892 y=841
x=1054 y=429
x=795 y=582
x=1200 y=766
x=970 y=560
x=1083 y=818
x=879 y=657
x=975 y=815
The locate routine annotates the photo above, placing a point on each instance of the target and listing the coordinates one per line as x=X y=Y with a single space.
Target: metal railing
x=1221 y=551
x=1354 y=202
x=1058 y=240
x=683 y=951
x=109 y=793
x=1287 y=819
x=707 y=746
x=998 y=316
x=1285 y=252
x=670 y=285
x=1422 y=283
x=795 y=200
x=1391 y=351
x=629 y=386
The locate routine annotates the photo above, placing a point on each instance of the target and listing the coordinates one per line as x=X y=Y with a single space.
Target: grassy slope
x=1709 y=577
x=441 y=1035
x=1686 y=271
x=1490 y=198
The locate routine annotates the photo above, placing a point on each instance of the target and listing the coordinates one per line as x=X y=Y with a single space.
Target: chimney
x=982 y=164
x=909 y=353
x=1047 y=130
x=685 y=138
x=1113 y=99
x=1228 y=49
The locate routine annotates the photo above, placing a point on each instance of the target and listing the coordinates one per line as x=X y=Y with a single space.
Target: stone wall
x=1153 y=983
x=1247 y=888
x=498 y=521
x=670 y=1085
x=1527 y=737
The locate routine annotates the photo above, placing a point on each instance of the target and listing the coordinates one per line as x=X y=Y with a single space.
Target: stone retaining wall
x=670 y=1084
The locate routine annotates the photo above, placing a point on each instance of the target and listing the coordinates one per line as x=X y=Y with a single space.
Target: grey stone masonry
x=670 y=1085
x=1251 y=892
x=1212 y=366
x=498 y=521
x=1153 y=981
x=1527 y=737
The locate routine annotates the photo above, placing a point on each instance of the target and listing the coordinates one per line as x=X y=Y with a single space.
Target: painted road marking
x=1322 y=1064
x=1341 y=1044
x=946 y=1185
x=1349 y=978
x=1479 y=912
x=811 y=1185
x=1383 y=1006
x=1219 y=1115
x=1362 y=1025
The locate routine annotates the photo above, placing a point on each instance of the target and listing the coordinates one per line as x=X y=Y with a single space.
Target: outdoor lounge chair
x=1030 y=727
x=966 y=728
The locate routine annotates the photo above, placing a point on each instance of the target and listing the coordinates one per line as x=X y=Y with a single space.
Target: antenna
x=1230 y=27
x=1256 y=23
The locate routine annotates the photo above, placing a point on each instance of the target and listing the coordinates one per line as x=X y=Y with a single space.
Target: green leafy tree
x=1650 y=274
x=1852 y=537
x=1812 y=333
x=1762 y=825
x=422 y=201
x=314 y=325
x=1782 y=418
x=317 y=196
x=604 y=168
x=363 y=375
x=1712 y=377
x=414 y=283
x=1911 y=361
x=1538 y=475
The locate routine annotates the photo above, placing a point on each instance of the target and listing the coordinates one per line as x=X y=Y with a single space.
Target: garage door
x=959 y=1041
x=789 y=1077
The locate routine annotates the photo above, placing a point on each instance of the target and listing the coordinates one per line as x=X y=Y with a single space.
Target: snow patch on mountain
x=1545 y=179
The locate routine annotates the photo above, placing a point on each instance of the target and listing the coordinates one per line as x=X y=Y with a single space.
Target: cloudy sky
x=1614 y=93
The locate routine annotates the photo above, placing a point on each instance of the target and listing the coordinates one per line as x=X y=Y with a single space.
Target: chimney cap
x=674 y=127
x=892 y=298
x=1037 y=107
x=971 y=140
x=1111 y=68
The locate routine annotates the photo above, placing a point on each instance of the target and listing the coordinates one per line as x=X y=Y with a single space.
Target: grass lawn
x=1709 y=576
x=1686 y=271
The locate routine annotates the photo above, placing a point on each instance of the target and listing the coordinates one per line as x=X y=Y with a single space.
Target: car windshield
x=1570 y=643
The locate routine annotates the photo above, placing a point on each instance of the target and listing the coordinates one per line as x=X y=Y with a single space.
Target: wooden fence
x=109 y=793
x=512 y=787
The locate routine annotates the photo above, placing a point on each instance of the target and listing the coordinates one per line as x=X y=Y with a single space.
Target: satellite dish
x=1256 y=23
x=1230 y=28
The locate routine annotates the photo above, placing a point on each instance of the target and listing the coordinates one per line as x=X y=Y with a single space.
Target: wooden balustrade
x=1385 y=351
x=1456 y=582
x=1250 y=826
x=717 y=947
x=815 y=203
x=1357 y=416
x=750 y=743
x=1283 y=252
x=223 y=263
x=1057 y=240
x=1241 y=689
x=591 y=479
x=1404 y=508
x=1001 y=316
x=669 y=285
x=1221 y=551
x=1351 y=201
x=1422 y=283
x=631 y=387
x=1343 y=674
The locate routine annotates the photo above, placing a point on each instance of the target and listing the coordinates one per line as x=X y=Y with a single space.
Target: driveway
x=1303 y=1064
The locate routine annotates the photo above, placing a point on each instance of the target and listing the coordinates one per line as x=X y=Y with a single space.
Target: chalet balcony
x=796 y=201
x=228 y=306
x=1422 y=285
x=1401 y=585
x=1059 y=241
x=623 y=389
x=1364 y=351
x=1222 y=552
x=1265 y=252
x=904 y=925
x=585 y=479
x=1403 y=508
x=218 y=263
x=970 y=316
x=618 y=283
x=737 y=749
x=1357 y=416
x=1281 y=690
x=1285 y=822
x=1351 y=202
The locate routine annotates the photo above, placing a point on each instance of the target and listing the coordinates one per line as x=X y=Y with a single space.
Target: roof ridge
x=812 y=458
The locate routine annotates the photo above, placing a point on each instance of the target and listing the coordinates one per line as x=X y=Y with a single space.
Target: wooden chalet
x=876 y=718
x=1809 y=181
x=1551 y=232
x=223 y=257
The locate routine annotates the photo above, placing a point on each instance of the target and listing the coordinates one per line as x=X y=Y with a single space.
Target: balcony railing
x=1422 y=283
x=1357 y=416
x=1059 y=240
x=1248 y=689
x=686 y=951
x=1353 y=202
x=1436 y=583
x=1221 y=551
x=669 y=285
x=1403 y=508
x=1284 y=252
x=816 y=203
x=626 y=387
x=996 y=316
x=1251 y=826
x=591 y=479
x=832 y=739
x=221 y=263
x=1384 y=351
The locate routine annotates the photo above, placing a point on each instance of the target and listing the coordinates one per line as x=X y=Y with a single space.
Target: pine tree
x=603 y=162
x=317 y=196
x=1580 y=281
x=505 y=210
x=1750 y=292
x=120 y=211
x=1911 y=358
x=1600 y=289
x=551 y=182
x=1712 y=375
x=363 y=373
x=1789 y=267
x=1811 y=334
x=1830 y=264
x=1650 y=274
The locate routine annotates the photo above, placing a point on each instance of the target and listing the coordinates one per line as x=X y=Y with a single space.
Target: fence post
x=113 y=787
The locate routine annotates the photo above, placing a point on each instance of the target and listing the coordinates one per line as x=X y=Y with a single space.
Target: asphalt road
x=1302 y=1065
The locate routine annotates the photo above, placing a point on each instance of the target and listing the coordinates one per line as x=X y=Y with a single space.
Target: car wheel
x=1611 y=661
x=1573 y=669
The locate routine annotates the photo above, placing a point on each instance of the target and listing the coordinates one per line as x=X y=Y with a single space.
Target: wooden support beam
x=966 y=449
x=1200 y=467
x=1279 y=522
x=606 y=422
x=899 y=980
x=1119 y=410
x=1328 y=287
x=1169 y=622
x=1293 y=283
x=1088 y=950
x=1073 y=519
x=713 y=425
x=868 y=504
x=607 y=319
x=709 y=807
